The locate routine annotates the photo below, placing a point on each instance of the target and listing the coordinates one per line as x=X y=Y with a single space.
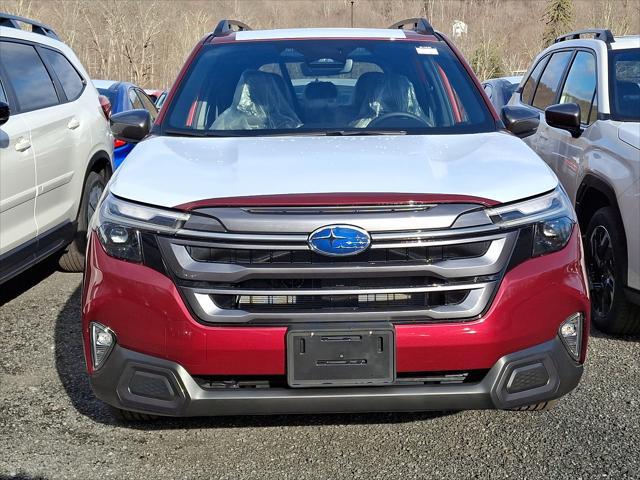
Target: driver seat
x=392 y=93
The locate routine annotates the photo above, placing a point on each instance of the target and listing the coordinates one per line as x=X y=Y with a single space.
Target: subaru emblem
x=339 y=240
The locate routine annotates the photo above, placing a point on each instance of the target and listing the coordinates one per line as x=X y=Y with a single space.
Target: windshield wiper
x=348 y=133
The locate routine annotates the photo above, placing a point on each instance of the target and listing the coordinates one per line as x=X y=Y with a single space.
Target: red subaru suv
x=331 y=220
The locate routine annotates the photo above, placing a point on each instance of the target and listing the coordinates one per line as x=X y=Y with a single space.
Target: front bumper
x=139 y=382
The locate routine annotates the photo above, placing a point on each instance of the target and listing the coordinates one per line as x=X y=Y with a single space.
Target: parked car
x=161 y=98
x=499 y=90
x=331 y=220
x=55 y=149
x=124 y=96
x=587 y=94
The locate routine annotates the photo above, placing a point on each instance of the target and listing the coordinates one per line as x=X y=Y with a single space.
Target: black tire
x=536 y=407
x=129 y=416
x=72 y=260
x=606 y=257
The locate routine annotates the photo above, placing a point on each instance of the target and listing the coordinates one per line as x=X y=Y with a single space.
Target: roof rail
x=598 y=34
x=225 y=27
x=13 y=21
x=418 y=25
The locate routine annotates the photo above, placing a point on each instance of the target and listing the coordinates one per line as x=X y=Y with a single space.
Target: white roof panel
x=280 y=34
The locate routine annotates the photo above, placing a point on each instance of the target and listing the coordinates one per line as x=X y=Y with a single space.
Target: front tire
x=72 y=260
x=606 y=255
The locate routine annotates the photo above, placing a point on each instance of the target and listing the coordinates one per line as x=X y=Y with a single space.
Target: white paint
x=280 y=34
x=170 y=171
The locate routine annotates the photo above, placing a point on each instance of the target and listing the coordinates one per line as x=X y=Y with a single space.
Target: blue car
x=124 y=96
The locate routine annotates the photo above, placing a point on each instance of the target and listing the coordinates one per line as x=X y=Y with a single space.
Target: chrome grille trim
x=342 y=291
x=185 y=267
x=379 y=239
x=207 y=310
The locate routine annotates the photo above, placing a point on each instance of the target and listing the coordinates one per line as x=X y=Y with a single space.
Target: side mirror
x=5 y=113
x=565 y=116
x=131 y=126
x=521 y=121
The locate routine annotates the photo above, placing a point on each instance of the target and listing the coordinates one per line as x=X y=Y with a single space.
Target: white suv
x=55 y=145
x=587 y=93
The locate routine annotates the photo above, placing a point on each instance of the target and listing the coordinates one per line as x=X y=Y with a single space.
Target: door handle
x=73 y=124
x=23 y=144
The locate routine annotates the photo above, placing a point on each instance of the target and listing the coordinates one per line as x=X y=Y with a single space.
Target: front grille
x=310 y=303
x=256 y=276
x=307 y=257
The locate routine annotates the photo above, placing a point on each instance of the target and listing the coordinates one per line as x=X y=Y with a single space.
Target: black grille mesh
x=378 y=255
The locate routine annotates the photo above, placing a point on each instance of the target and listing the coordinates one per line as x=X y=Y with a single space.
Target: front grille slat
x=388 y=255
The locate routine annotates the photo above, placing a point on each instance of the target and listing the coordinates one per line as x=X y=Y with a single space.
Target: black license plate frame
x=340 y=355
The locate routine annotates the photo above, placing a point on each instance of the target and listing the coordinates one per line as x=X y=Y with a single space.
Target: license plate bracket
x=340 y=356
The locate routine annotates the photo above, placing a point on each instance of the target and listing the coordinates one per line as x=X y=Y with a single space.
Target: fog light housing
x=570 y=332
x=102 y=342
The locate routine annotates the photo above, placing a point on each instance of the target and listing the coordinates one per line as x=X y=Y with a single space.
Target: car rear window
x=309 y=86
x=625 y=82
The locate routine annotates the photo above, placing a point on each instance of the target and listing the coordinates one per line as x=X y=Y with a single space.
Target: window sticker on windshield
x=427 y=51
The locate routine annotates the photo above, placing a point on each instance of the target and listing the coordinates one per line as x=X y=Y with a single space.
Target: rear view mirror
x=565 y=116
x=131 y=126
x=521 y=121
x=324 y=67
x=5 y=113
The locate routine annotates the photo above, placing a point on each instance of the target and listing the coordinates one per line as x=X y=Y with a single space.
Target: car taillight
x=105 y=104
x=118 y=143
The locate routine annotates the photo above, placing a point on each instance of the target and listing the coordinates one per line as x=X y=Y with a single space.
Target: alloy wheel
x=601 y=271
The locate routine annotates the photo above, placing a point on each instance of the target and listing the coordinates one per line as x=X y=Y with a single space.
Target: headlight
x=551 y=216
x=119 y=224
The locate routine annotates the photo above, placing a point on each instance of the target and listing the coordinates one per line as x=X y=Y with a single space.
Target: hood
x=174 y=171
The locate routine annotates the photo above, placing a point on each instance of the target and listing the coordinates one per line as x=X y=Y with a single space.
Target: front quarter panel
x=617 y=164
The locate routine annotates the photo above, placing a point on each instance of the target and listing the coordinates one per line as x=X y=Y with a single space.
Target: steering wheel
x=398 y=120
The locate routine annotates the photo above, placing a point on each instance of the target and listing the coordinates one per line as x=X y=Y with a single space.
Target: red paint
x=472 y=74
x=329 y=199
x=452 y=98
x=148 y=315
x=176 y=84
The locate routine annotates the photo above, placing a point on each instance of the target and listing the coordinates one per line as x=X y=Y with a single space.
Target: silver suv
x=587 y=91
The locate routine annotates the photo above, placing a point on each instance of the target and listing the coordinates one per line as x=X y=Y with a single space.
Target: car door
x=17 y=182
x=53 y=141
x=62 y=141
x=545 y=142
x=580 y=88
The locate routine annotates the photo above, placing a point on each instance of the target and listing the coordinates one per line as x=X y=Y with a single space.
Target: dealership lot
x=51 y=426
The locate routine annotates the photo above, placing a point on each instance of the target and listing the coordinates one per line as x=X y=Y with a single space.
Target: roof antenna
x=351 y=13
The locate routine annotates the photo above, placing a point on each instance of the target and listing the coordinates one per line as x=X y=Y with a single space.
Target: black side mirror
x=565 y=116
x=131 y=126
x=5 y=113
x=521 y=121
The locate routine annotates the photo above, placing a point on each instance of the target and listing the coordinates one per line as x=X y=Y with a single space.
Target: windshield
x=327 y=87
x=625 y=79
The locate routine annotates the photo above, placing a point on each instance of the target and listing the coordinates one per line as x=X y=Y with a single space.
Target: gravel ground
x=51 y=426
